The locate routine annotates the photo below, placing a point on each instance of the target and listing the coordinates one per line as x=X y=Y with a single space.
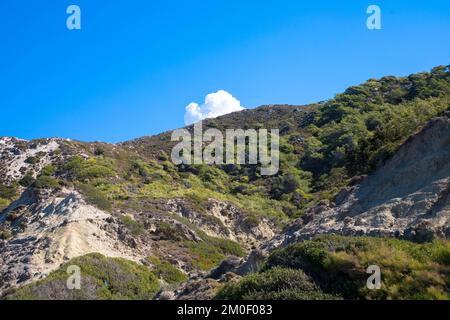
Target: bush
x=102 y=279
x=27 y=180
x=48 y=170
x=95 y=197
x=46 y=182
x=32 y=160
x=99 y=167
x=251 y=221
x=4 y=203
x=338 y=265
x=164 y=270
x=275 y=284
x=8 y=192
x=134 y=226
x=5 y=234
x=169 y=232
x=207 y=254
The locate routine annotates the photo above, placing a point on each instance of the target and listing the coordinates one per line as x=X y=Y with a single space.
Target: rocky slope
x=46 y=226
x=373 y=161
x=408 y=197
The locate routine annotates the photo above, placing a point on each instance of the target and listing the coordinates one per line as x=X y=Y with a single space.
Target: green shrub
x=208 y=253
x=251 y=221
x=102 y=278
x=275 y=284
x=98 y=167
x=5 y=234
x=32 y=160
x=338 y=265
x=164 y=270
x=169 y=232
x=27 y=180
x=95 y=197
x=136 y=228
x=46 y=182
x=4 y=203
x=8 y=192
x=48 y=170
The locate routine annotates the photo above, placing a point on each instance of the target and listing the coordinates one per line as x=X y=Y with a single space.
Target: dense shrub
x=102 y=279
x=136 y=228
x=98 y=167
x=46 y=182
x=208 y=253
x=32 y=160
x=166 y=271
x=338 y=265
x=275 y=284
x=169 y=232
x=8 y=192
x=95 y=197
x=27 y=180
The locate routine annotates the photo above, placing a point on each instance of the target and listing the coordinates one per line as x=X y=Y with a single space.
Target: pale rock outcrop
x=51 y=228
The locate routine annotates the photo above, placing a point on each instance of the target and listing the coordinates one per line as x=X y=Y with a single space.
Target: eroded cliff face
x=408 y=197
x=49 y=229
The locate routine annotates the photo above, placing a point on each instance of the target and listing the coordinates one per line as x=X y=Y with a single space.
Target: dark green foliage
x=98 y=167
x=169 y=232
x=8 y=192
x=338 y=265
x=362 y=128
x=275 y=284
x=285 y=184
x=101 y=279
x=46 y=182
x=32 y=160
x=335 y=266
x=27 y=180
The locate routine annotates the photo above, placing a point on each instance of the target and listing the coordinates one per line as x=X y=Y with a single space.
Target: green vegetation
x=46 y=182
x=95 y=196
x=136 y=228
x=80 y=169
x=169 y=232
x=32 y=160
x=338 y=266
x=27 y=180
x=102 y=278
x=322 y=148
x=361 y=128
x=166 y=271
x=275 y=284
x=8 y=193
x=208 y=253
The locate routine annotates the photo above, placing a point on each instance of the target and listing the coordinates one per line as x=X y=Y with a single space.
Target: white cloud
x=216 y=104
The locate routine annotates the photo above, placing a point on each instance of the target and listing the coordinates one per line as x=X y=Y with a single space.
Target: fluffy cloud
x=216 y=104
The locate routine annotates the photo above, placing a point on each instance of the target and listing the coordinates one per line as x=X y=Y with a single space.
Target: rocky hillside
x=408 y=197
x=373 y=161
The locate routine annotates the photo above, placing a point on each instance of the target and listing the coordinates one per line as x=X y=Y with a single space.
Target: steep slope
x=64 y=200
x=408 y=197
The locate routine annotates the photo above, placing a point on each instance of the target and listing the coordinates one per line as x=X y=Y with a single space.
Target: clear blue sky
x=136 y=64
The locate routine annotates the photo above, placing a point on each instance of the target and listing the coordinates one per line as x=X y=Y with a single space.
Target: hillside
x=373 y=161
